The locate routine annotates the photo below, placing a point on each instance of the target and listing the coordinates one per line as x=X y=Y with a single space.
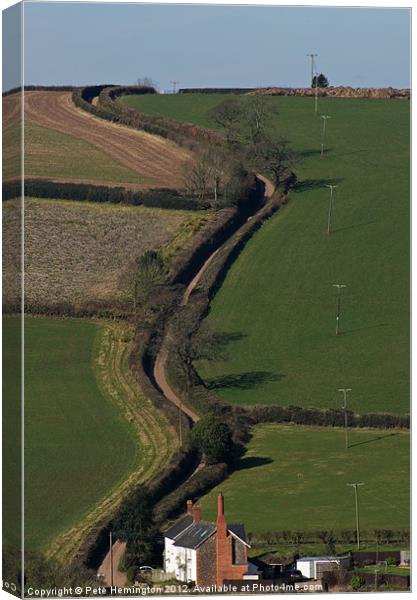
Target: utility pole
x=345 y=393
x=323 y=132
x=316 y=95
x=339 y=287
x=174 y=86
x=313 y=67
x=355 y=487
x=180 y=422
x=111 y=558
x=329 y=216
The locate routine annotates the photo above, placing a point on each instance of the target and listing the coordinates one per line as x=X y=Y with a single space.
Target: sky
x=244 y=46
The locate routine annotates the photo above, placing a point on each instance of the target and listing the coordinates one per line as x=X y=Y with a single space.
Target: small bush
x=356 y=583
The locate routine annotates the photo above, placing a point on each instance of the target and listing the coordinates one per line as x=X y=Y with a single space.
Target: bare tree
x=257 y=112
x=146 y=82
x=275 y=156
x=216 y=174
x=149 y=274
x=197 y=177
x=228 y=115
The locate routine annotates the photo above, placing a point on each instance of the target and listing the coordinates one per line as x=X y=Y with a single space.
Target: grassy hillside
x=77 y=444
x=278 y=297
x=295 y=477
x=190 y=108
x=78 y=252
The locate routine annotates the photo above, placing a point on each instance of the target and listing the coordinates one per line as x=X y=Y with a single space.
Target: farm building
x=205 y=552
x=312 y=567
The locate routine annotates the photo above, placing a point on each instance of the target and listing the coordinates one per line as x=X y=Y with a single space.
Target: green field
x=294 y=477
x=278 y=302
x=77 y=444
x=51 y=153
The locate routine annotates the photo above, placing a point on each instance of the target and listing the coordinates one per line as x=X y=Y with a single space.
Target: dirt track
x=160 y=362
x=104 y=572
x=149 y=155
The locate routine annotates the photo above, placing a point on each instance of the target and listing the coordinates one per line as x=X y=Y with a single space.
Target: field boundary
x=329 y=92
x=114 y=194
x=107 y=107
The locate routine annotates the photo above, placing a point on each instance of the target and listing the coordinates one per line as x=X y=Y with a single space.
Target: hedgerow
x=155 y=198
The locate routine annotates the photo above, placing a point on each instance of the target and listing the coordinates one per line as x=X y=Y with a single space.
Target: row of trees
x=245 y=123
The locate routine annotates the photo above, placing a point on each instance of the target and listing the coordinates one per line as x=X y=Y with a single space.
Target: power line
x=345 y=391
x=313 y=66
x=339 y=287
x=355 y=487
x=323 y=132
x=329 y=216
x=174 y=86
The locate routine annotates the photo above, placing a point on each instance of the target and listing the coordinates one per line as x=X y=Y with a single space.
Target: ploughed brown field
x=83 y=254
x=64 y=143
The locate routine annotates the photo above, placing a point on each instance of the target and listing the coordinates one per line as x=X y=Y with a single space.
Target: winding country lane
x=161 y=380
x=159 y=371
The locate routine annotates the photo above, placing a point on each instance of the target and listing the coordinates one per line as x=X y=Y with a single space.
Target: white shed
x=312 y=567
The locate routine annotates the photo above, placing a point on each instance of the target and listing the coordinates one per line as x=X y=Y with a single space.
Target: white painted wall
x=181 y=561
x=306 y=567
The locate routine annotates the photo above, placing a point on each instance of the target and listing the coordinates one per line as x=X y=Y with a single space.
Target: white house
x=206 y=552
x=181 y=560
x=312 y=567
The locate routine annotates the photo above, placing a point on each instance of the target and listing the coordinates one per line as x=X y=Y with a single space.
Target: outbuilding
x=313 y=567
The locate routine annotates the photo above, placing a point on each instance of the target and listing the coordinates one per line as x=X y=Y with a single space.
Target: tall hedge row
x=170 y=489
x=40 y=88
x=108 y=108
x=157 y=198
x=216 y=90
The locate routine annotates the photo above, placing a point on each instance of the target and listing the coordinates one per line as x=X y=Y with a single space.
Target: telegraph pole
x=313 y=67
x=345 y=391
x=316 y=95
x=174 y=86
x=180 y=422
x=323 y=132
x=111 y=558
x=329 y=216
x=355 y=487
x=339 y=287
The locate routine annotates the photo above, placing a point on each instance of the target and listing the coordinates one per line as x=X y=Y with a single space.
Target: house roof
x=194 y=536
x=179 y=527
x=271 y=559
x=317 y=558
x=190 y=534
x=238 y=530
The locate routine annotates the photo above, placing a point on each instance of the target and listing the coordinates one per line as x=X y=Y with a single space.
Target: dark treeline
x=217 y=90
x=168 y=492
x=342 y=536
x=155 y=198
x=324 y=417
x=40 y=88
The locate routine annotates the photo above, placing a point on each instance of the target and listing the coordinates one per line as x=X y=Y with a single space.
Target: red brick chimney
x=197 y=513
x=225 y=569
x=189 y=507
x=220 y=510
